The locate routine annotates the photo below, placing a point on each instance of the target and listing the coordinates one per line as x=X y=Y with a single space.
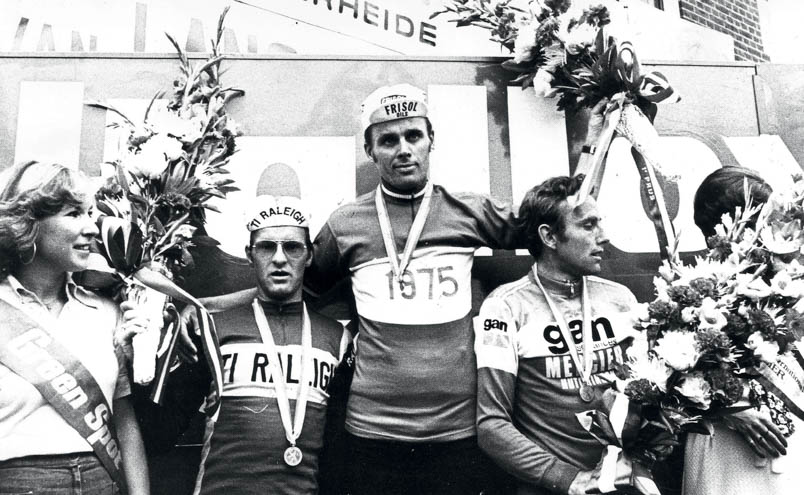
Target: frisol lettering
x=601 y=329
x=401 y=107
x=30 y=346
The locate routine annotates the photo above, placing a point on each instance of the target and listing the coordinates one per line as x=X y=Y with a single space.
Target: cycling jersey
x=415 y=377
x=243 y=451
x=528 y=386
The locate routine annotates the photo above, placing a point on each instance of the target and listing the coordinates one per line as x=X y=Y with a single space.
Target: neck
x=557 y=280
x=47 y=284
x=404 y=192
x=295 y=297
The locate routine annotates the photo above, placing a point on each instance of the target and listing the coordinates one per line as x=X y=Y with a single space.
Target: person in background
x=66 y=422
x=727 y=461
x=547 y=345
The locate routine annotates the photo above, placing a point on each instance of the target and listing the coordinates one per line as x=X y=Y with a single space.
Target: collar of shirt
x=276 y=308
x=74 y=292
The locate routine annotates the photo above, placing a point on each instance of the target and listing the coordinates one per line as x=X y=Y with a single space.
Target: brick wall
x=737 y=18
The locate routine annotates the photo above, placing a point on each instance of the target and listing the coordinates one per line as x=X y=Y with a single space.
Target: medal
x=293 y=456
x=586 y=391
x=400 y=266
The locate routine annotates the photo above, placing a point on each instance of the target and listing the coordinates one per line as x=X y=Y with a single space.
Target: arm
x=132 y=449
x=498 y=437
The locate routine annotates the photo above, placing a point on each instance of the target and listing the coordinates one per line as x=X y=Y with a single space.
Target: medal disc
x=587 y=393
x=293 y=456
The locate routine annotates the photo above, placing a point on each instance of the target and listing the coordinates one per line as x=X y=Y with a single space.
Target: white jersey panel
x=246 y=372
x=436 y=288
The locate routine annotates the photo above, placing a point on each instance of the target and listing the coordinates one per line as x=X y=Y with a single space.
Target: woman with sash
x=747 y=452
x=66 y=422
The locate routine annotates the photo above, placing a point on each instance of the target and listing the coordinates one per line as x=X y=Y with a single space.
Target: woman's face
x=64 y=238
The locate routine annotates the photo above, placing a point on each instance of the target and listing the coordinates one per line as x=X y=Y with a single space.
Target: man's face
x=279 y=256
x=580 y=247
x=401 y=150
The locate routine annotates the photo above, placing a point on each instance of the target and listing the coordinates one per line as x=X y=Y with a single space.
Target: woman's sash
x=28 y=350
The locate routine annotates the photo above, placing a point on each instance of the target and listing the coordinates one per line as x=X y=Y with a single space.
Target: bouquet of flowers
x=575 y=57
x=169 y=168
x=722 y=335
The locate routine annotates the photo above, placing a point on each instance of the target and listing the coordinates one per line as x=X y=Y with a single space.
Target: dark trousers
x=70 y=474
x=432 y=468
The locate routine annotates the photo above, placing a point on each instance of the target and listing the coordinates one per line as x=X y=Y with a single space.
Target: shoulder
x=238 y=313
x=510 y=296
x=353 y=214
x=612 y=291
x=325 y=324
x=96 y=301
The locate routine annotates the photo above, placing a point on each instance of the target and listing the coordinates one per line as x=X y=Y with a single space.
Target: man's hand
x=581 y=483
x=759 y=431
x=597 y=116
x=188 y=322
x=134 y=321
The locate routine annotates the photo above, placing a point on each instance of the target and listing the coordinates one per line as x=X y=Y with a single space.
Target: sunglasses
x=292 y=249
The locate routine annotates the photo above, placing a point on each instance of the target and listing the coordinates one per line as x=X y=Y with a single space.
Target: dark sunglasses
x=292 y=249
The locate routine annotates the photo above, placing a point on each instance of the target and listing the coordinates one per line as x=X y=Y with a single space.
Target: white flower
x=183 y=233
x=666 y=272
x=525 y=42
x=782 y=284
x=187 y=129
x=689 y=314
x=678 y=349
x=696 y=389
x=581 y=36
x=710 y=316
x=752 y=287
x=652 y=369
x=764 y=350
x=543 y=84
x=640 y=315
x=154 y=156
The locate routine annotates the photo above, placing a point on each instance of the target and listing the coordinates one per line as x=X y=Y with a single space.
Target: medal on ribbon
x=399 y=266
x=293 y=455
x=584 y=367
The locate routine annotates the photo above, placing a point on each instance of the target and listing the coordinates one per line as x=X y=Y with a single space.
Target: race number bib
x=435 y=288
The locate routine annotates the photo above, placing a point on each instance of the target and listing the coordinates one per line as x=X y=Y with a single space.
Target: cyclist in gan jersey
x=547 y=344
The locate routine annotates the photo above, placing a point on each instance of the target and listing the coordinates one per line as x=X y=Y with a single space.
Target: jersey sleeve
x=498 y=225
x=498 y=437
x=327 y=269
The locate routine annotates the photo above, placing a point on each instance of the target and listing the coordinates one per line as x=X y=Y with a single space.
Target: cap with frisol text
x=276 y=211
x=399 y=101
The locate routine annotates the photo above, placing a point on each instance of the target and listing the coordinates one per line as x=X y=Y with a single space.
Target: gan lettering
x=552 y=334
x=490 y=324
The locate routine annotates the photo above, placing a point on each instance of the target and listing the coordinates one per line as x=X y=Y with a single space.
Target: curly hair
x=32 y=191
x=723 y=191
x=541 y=205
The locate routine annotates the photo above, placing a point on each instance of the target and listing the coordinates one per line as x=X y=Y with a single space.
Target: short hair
x=542 y=205
x=722 y=192
x=367 y=134
x=24 y=203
